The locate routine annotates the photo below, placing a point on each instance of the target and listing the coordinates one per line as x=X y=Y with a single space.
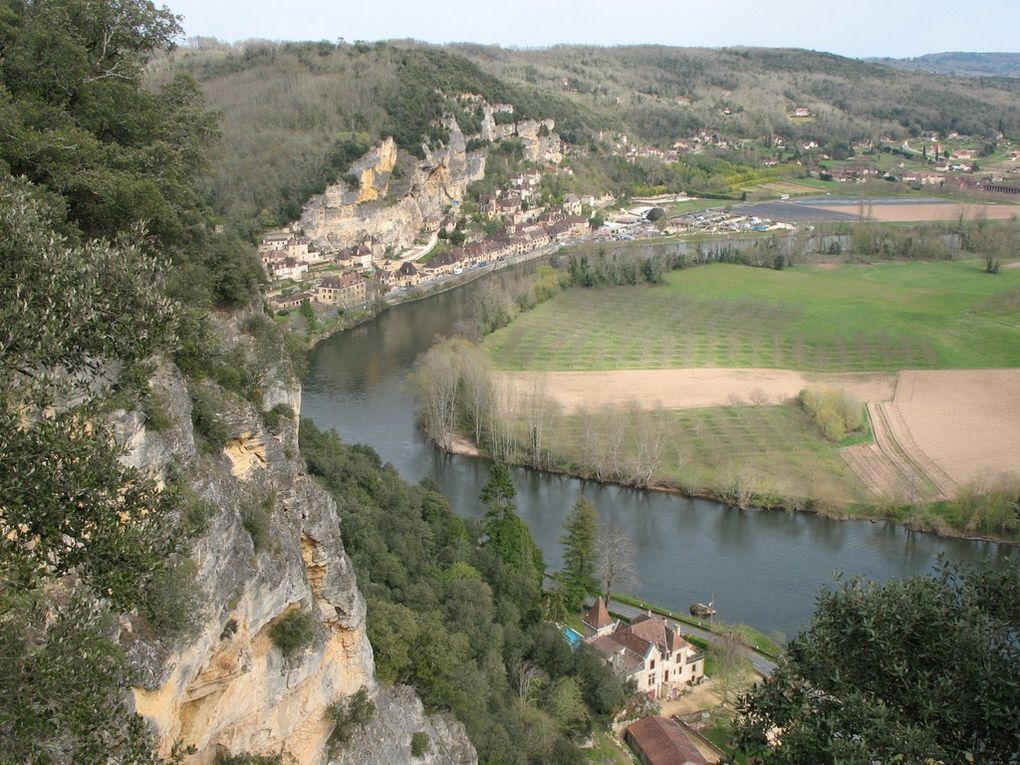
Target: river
x=760 y=567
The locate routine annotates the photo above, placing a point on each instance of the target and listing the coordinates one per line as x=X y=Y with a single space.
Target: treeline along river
x=761 y=567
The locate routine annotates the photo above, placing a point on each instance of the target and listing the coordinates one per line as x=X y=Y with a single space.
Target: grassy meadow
x=853 y=318
x=768 y=454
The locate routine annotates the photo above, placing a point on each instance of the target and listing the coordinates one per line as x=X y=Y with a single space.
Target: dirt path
x=693 y=388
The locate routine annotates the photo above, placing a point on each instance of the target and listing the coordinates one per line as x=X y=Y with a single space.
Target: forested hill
x=960 y=63
x=294 y=115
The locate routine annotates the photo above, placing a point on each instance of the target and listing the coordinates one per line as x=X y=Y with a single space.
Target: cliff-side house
x=647 y=650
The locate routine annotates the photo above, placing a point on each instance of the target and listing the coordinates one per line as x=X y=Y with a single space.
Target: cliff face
x=227 y=688
x=541 y=143
x=342 y=217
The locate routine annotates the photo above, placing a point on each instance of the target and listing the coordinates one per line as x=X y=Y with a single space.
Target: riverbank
x=344 y=321
x=916 y=518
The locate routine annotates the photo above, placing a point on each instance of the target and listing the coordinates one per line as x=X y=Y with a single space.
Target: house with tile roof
x=647 y=650
x=660 y=741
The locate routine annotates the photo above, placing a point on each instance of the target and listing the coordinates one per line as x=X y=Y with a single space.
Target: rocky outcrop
x=225 y=687
x=388 y=736
x=541 y=143
x=341 y=217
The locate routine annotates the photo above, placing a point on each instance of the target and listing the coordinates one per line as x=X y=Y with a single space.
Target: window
x=652 y=665
x=665 y=675
x=651 y=679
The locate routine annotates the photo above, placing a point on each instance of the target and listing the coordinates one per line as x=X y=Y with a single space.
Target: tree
x=580 y=558
x=914 y=670
x=509 y=536
x=616 y=558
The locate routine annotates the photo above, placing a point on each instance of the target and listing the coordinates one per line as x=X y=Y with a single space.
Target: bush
x=348 y=715
x=293 y=632
x=834 y=411
x=257 y=518
x=275 y=416
x=419 y=744
x=171 y=605
x=205 y=408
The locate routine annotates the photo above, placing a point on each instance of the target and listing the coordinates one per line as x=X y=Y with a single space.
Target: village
x=353 y=277
x=519 y=219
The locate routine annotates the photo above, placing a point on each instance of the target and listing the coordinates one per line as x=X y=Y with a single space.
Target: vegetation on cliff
x=108 y=260
x=455 y=609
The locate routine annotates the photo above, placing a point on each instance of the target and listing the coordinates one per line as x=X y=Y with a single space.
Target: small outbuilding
x=660 y=741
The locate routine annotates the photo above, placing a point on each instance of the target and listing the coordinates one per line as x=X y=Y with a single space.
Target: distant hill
x=960 y=63
x=294 y=115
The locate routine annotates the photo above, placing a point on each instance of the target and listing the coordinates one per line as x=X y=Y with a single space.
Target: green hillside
x=295 y=114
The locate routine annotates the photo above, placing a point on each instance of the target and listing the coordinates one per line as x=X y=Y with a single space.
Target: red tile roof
x=598 y=616
x=663 y=742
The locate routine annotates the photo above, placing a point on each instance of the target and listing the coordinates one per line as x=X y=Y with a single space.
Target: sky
x=898 y=28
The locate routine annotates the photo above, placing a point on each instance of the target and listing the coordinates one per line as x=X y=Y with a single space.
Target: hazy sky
x=855 y=28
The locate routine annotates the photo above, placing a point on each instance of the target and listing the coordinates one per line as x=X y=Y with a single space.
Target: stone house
x=407 y=275
x=346 y=290
x=647 y=650
x=287 y=268
x=294 y=300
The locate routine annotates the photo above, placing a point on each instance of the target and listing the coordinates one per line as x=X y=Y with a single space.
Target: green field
x=771 y=454
x=856 y=318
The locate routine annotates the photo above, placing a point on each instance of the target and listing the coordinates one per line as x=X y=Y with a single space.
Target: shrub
x=257 y=518
x=171 y=605
x=834 y=411
x=205 y=407
x=419 y=744
x=275 y=416
x=154 y=406
x=196 y=512
x=348 y=715
x=293 y=631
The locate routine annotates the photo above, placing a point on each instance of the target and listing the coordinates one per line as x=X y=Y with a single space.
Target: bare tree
x=538 y=410
x=502 y=433
x=437 y=381
x=649 y=444
x=616 y=422
x=478 y=390
x=524 y=676
x=616 y=558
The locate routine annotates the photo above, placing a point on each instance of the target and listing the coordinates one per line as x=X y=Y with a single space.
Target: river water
x=761 y=567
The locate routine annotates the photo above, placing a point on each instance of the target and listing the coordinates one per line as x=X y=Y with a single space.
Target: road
x=764 y=666
x=416 y=252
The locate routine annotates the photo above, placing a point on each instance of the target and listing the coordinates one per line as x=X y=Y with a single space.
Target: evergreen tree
x=511 y=540
x=580 y=559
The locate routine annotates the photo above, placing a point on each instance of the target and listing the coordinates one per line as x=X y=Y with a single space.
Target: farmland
x=850 y=319
x=771 y=453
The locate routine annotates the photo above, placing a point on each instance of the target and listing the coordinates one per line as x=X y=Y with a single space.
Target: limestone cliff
x=226 y=688
x=342 y=217
x=541 y=143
